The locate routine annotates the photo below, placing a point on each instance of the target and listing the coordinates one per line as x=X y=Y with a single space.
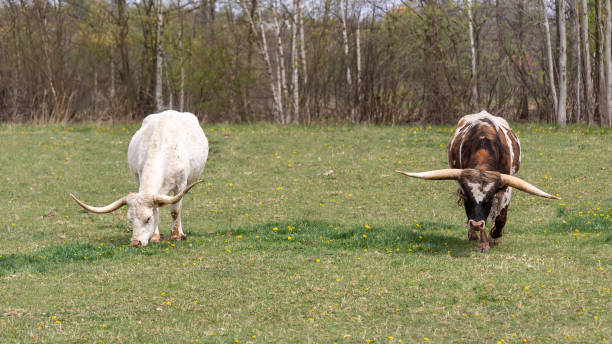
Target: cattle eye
x=148 y=219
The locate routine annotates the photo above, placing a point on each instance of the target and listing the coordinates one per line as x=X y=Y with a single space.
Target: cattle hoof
x=178 y=237
x=483 y=249
x=155 y=237
x=493 y=242
x=472 y=236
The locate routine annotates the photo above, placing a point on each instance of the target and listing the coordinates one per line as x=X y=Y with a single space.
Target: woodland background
x=306 y=61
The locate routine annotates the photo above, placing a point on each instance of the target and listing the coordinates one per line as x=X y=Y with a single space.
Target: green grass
x=279 y=250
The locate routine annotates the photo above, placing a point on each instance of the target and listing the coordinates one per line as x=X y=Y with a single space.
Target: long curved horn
x=160 y=199
x=446 y=174
x=101 y=210
x=522 y=185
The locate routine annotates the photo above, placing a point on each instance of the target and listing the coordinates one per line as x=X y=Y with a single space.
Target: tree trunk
x=501 y=41
x=561 y=111
x=608 y=49
x=294 y=65
x=433 y=102
x=600 y=41
x=263 y=49
x=300 y=23
x=551 y=76
x=159 y=100
x=181 y=59
x=112 y=75
x=589 y=105
x=358 y=90
x=576 y=60
x=474 y=79
x=280 y=70
x=349 y=81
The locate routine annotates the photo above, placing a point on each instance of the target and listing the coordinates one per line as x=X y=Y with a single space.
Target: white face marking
x=478 y=192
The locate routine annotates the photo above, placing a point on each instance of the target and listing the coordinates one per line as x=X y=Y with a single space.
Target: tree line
x=305 y=61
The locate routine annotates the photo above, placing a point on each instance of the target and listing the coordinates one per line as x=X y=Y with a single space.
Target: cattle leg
x=177 y=228
x=483 y=241
x=498 y=215
x=497 y=230
x=472 y=235
x=155 y=237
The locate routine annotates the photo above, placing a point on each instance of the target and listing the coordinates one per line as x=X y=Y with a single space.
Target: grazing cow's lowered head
x=166 y=154
x=143 y=212
x=484 y=154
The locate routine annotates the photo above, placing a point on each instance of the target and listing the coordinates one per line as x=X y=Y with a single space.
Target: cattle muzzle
x=135 y=243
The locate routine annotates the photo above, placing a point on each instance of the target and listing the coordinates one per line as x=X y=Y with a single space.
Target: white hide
x=166 y=154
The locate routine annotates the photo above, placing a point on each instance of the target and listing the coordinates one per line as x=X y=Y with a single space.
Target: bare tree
x=349 y=81
x=551 y=75
x=358 y=90
x=474 y=79
x=589 y=104
x=608 y=53
x=263 y=49
x=600 y=57
x=159 y=53
x=181 y=58
x=562 y=103
x=281 y=77
x=302 y=60
x=294 y=64
x=576 y=60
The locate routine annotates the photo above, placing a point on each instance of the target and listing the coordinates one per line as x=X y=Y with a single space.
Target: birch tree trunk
x=181 y=59
x=608 y=49
x=349 y=81
x=358 y=97
x=263 y=50
x=300 y=23
x=169 y=87
x=159 y=100
x=600 y=39
x=280 y=70
x=561 y=113
x=499 y=20
x=589 y=105
x=112 y=74
x=468 y=5
x=294 y=66
x=576 y=61
x=551 y=75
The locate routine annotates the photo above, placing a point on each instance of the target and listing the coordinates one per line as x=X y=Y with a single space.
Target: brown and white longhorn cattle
x=483 y=155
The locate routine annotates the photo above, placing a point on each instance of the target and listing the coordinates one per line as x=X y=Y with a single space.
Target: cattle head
x=477 y=188
x=142 y=211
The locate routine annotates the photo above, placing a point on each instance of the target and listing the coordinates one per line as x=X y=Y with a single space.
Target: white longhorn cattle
x=167 y=154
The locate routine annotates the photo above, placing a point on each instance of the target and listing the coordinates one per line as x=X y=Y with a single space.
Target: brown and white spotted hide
x=484 y=146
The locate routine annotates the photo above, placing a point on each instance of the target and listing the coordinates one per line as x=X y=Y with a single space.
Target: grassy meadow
x=306 y=235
